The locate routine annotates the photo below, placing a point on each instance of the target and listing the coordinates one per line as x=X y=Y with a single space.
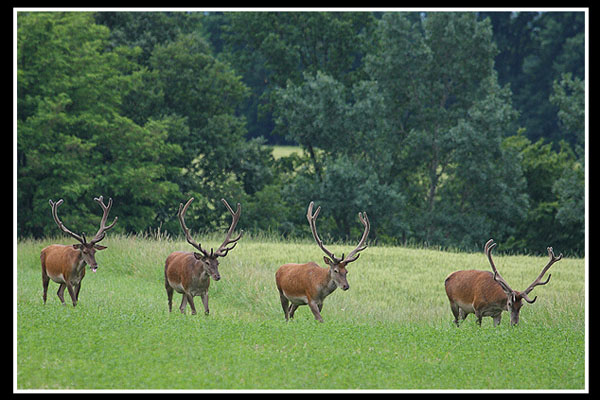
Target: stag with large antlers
x=309 y=284
x=65 y=265
x=189 y=273
x=487 y=294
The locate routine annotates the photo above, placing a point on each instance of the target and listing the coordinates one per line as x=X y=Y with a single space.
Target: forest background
x=448 y=128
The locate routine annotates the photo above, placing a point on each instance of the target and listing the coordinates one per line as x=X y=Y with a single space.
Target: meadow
x=391 y=330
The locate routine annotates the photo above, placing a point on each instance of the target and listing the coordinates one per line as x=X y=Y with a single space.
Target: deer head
x=88 y=249
x=209 y=259
x=337 y=266
x=514 y=297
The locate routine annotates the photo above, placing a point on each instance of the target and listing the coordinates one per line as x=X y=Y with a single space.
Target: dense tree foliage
x=447 y=128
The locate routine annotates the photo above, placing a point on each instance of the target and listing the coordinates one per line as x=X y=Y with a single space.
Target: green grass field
x=392 y=330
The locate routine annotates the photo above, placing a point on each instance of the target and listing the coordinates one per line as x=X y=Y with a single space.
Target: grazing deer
x=309 y=284
x=487 y=294
x=65 y=265
x=189 y=273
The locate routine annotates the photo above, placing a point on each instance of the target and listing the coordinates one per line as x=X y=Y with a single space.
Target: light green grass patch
x=285 y=151
x=392 y=330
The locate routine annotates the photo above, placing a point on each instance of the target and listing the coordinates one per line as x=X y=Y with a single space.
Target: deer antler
x=311 y=221
x=538 y=280
x=103 y=228
x=353 y=255
x=188 y=236
x=361 y=245
x=59 y=222
x=497 y=277
x=223 y=249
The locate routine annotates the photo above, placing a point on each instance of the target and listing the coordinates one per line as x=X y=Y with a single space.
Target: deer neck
x=328 y=285
x=77 y=267
x=201 y=271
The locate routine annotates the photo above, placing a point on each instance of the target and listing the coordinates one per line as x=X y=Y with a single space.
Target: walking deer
x=189 y=273
x=487 y=294
x=309 y=284
x=65 y=265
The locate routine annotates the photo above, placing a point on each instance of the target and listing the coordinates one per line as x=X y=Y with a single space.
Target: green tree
x=313 y=115
x=535 y=49
x=195 y=96
x=72 y=142
x=570 y=215
x=146 y=30
x=569 y=96
x=446 y=116
x=217 y=160
x=271 y=48
x=482 y=192
x=554 y=183
x=425 y=129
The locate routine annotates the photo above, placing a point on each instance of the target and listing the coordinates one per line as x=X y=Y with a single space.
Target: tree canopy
x=448 y=128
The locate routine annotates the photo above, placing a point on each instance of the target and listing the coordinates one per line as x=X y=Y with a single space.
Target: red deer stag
x=189 y=273
x=309 y=284
x=487 y=294
x=65 y=265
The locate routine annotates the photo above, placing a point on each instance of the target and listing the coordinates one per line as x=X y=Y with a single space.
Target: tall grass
x=392 y=330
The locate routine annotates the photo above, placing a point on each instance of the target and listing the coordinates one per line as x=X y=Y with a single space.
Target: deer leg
x=169 y=295
x=60 y=292
x=205 y=302
x=191 y=301
x=293 y=309
x=45 y=281
x=184 y=301
x=455 y=311
x=77 y=289
x=72 y=293
x=497 y=319
x=462 y=314
x=479 y=316
x=284 y=305
x=315 y=310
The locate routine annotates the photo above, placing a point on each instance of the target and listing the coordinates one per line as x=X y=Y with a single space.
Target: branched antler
x=538 y=280
x=223 y=249
x=60 y=224
x=497 y=277
x=361 y=245
x=186 y=231
x=81 y=238
x=103 y=228
x=353 y=255
x=311 y=221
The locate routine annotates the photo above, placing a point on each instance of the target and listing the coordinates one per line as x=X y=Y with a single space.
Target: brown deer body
x=475 y=292
x=65 y=265
x=189 y=273
x=487 y=294
x=309 y=284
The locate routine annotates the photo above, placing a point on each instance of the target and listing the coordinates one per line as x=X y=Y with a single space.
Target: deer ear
x=99 y=247
x=78 y=246
x=327 y=260
x=198 y=256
